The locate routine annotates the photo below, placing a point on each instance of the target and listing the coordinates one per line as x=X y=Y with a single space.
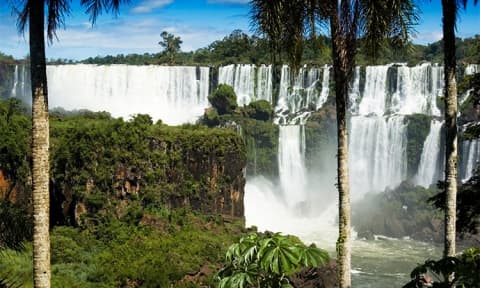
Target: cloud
x=128 y=36
x=427 y=37
x=228 y=1
x=148 y=5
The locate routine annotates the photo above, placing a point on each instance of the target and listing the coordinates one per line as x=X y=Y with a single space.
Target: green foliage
x=418 y=127
x=16 y=268
x=98 y=158
x=14 y=147
x=211 y=118
x=223 y=99
x=158 y=252
x=260 y=110
x=6 y=75
x=464 y=269
x=15 y=225
x=401 y=212
x=468 y=203
x=266 y=260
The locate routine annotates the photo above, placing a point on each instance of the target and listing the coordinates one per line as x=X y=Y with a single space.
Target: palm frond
x=22 y=12
x=15 y=226
x=389 y=19
x=57 y=11
x=266 y=20
x=95 y=8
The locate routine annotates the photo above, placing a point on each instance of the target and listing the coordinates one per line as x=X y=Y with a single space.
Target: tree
x=170 y=44
x=33 y=13
x=450 y=11
x=285 y=22
x=464 y=269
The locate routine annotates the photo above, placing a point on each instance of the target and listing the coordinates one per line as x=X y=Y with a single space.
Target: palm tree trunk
x=40 y=146
x=449 y=19
x=339 y=52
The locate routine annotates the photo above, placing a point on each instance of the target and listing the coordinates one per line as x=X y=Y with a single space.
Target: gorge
x=395 y=128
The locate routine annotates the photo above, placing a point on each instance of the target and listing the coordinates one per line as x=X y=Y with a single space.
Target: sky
x=198 y=23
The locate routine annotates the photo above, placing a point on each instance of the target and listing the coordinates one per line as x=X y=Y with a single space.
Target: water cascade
x=15 y=82
x=417 y=89
x=291 y=164
x=377 y=153
x=470 y=157
x=431 y=162
x=21 y=84
x=472 y=69
x=302 y=93
x=175 y=94
x=242 y=78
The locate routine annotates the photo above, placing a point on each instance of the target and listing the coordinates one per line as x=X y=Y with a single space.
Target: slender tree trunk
x=40 y=147
x=449 y=19
x=339 y=55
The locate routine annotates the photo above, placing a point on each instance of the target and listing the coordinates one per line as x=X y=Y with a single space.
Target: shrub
x=265 y=260
x=260 y=110
x=223 y=99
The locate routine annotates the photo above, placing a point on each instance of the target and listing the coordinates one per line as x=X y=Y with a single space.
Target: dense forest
x=239 y=47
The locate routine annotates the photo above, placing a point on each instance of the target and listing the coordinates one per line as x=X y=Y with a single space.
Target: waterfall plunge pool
x=383 y=262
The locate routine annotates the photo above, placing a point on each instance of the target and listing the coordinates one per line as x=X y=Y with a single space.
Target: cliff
x=101 y=165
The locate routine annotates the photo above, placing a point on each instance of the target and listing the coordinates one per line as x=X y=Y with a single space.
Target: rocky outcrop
x=199 y=169
x=321 y=277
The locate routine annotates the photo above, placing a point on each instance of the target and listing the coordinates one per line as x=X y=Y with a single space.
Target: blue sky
x=198 y=22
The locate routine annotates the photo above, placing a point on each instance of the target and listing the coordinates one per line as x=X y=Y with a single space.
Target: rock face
x=105 y=167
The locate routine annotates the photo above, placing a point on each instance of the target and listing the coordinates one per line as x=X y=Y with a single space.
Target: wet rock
x=321 y=277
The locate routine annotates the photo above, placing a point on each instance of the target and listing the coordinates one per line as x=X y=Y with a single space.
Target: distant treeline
x=239 y=47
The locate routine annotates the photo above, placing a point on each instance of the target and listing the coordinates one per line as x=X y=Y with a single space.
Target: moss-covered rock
x=418 y=127
x=402 y=212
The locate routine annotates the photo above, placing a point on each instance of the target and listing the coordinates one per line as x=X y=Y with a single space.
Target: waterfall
x=21 y=84
x=472 y=69
x=470 y=158
x=354 y=93
x=15 y=82
x=264 y=83
x=242 y=79
x=325 y=87
x=300 y=94
x=292 y=164
x=377 y=153
x=417 y=89
x=375 y=94
x=430 y=168
x=170 y=93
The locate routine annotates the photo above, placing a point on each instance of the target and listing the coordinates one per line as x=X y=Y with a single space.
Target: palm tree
x=33 y=13
x=349 y=20
x=450 y=11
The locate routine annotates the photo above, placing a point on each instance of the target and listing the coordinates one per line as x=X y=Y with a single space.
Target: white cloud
x=148 y=5
x=127 y=36
x=427 y=37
